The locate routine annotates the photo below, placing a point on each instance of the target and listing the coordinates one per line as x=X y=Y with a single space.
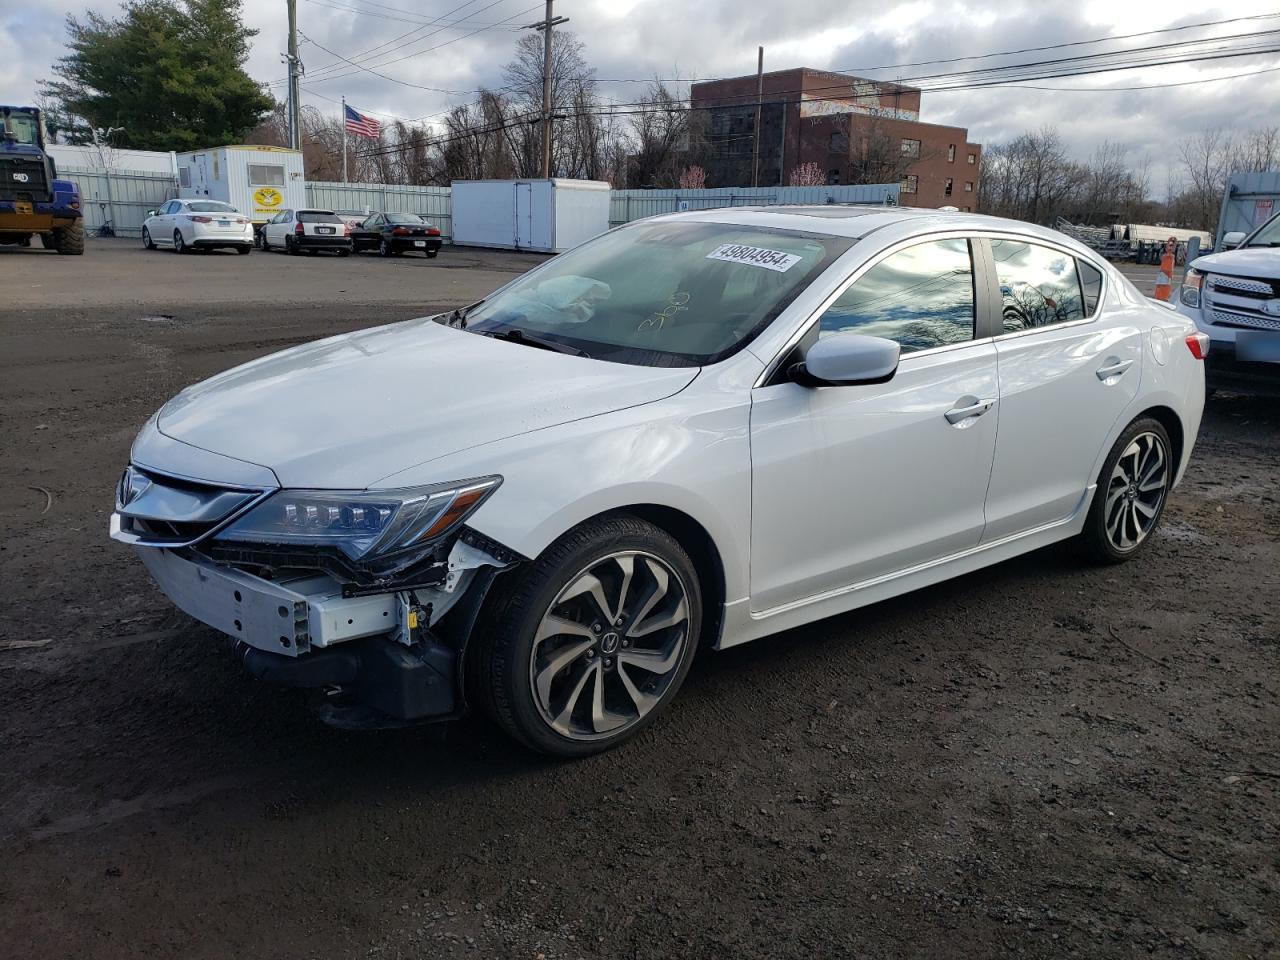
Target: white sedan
x=696 y=430
x=187 y=225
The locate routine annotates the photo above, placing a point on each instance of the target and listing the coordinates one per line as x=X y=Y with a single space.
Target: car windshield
x=404 y=218
x=317 y=216
x=210 y=206
x=1268 y=236
x=24 y=127
x=661 y=294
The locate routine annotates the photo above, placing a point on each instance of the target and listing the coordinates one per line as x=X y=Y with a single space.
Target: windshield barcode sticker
x=756 y=256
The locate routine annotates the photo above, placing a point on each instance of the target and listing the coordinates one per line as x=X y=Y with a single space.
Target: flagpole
x=344 y=139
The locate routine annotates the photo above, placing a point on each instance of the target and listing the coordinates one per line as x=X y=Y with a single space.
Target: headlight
x=365 y=525
x=1190 y=293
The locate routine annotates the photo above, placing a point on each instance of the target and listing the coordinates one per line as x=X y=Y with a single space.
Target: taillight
x=1198 y=344
x=400 y=231
x=297 y=228
x=241 y=220
x=200 y=219
x=432 y=232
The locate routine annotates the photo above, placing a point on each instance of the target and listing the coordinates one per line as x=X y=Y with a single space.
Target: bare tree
x=693 y=178
x=807 y=175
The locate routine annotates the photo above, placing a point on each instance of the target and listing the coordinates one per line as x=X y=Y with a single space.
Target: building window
x=833 y=178
x=265 y=175
x=839 y=143
x=951 y=153
x=911 y=148
x=946 y=189
x=973 y=158
x=965 y=209
x=184 y=176
x=909 y=184
x=968 y=186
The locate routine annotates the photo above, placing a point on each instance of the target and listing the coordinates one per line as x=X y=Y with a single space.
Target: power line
x=517 y=119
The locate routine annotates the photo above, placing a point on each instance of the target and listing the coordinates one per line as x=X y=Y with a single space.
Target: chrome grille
x=158 y=510
x=1244 y=320
x=1239 y=285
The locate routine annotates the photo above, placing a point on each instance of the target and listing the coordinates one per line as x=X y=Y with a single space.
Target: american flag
x=361 y=126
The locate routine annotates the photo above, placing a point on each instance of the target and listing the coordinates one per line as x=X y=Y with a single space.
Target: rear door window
x=1039 y=286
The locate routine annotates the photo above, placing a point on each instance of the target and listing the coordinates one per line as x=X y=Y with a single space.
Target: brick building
x=855 y=130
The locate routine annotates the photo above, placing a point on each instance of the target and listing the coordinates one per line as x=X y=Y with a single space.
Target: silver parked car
x=693 y=431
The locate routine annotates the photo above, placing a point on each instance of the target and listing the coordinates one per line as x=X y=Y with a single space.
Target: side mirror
x=844 y=359
x=152 y=213
x=1233 y=239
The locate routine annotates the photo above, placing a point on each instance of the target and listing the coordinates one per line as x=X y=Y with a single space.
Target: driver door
x=854 y=483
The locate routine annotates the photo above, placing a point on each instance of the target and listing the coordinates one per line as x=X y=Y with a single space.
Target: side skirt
x=742 y=625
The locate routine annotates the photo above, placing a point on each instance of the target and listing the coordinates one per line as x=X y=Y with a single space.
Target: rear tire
x=243 y=250
x=180 y=244
x=564 y=675
x=291 y=247
x=69 y=240
x=1132 y=490
x=432 y=254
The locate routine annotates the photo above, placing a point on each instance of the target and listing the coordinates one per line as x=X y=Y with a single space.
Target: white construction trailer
x=547 y=216
x=258 y=181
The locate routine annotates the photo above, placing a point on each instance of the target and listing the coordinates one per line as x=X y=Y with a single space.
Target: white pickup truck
x=1234 y=297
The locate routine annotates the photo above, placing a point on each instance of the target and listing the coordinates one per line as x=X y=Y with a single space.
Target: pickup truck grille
x=23 y=178
x=1245 y=302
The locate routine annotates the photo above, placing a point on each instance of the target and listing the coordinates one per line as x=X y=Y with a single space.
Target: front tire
x=585 y=647
x=1132 y=489
x=147 y=242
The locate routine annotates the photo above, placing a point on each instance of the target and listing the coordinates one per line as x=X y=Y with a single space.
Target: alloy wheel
x=179 y=244
x=1136 y=491
x=609 y=646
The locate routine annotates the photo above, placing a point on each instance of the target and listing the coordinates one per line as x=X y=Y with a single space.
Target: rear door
x=1068 y=369
x=852 y=483
x=524 y=215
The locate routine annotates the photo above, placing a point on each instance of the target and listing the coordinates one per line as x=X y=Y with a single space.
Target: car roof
x=857 y=221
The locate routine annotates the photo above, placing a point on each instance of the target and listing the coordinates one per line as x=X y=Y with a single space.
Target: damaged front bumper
x=398 y=653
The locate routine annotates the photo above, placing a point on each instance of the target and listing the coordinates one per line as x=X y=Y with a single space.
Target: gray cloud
x=645 y=38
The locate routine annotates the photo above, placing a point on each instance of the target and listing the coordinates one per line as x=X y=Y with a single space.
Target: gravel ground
x=1042 y=759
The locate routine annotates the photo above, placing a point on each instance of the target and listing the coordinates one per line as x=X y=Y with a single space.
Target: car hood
x=1262 y=263
x=351 y=410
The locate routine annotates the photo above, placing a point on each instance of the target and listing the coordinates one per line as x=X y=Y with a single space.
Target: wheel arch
x=1168 y=418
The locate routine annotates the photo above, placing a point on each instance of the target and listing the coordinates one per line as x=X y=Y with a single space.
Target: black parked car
x=392 y=234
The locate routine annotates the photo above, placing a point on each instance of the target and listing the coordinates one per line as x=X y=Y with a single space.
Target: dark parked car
x=392 y=234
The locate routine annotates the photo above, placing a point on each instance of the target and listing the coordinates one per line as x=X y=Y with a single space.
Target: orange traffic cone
x=1164 y=279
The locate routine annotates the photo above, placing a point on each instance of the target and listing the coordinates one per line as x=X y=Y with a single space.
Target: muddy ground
x=1039 y=760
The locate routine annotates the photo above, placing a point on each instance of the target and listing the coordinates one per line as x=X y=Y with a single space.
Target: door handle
x=1113 y=367
x=966 y=409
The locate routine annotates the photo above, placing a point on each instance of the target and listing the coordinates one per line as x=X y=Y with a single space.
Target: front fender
x=682 y=452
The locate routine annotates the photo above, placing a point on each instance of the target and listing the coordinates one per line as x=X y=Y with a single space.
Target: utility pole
x=755 y=140
x=295 y=93
x=545 y=25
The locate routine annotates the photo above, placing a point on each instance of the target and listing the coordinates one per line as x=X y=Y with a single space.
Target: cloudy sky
x=468 y=43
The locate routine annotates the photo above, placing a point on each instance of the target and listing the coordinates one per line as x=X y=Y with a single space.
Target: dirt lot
x=1039 y=760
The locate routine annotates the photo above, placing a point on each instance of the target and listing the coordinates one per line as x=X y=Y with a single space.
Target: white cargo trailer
x=548 y=216
x=258 y=181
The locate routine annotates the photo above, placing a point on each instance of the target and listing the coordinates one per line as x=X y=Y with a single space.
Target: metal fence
x=122 y=197
x=433 y=203
x=631 y=205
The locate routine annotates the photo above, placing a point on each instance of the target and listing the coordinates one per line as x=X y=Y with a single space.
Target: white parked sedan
x=187 y=225
x=306 y=231
x=695 y=430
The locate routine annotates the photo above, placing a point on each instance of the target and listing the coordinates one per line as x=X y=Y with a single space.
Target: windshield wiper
x=519 y=336
x=458 y=318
